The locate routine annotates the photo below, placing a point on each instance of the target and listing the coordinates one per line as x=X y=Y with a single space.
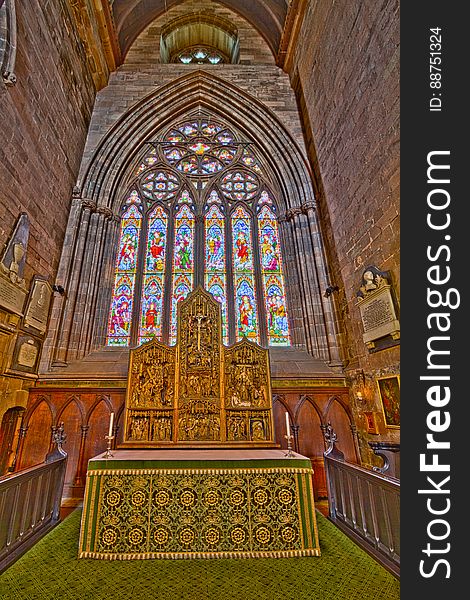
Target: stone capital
x=291 y=213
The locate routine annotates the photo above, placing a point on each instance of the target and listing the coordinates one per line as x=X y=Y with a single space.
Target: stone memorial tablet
x=12 y=297
x=25 y=356
x=37 y=310
x=377 y=308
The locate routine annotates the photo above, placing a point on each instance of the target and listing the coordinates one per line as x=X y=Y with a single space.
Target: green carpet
x=51 y=571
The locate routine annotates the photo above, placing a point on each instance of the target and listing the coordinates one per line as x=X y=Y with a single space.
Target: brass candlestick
x=108 y=452
x=289 y=452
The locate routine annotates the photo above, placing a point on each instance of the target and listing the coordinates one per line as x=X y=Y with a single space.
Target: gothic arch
x=117 y=151
x=340 y=400
x=101 y=398
x=133 y=16
x=309 y=400
x=31 y=409
x=71 y=400
x=80 y=318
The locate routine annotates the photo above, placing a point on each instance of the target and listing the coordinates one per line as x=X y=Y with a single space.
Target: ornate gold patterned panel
x=199 y=359
x=199 y=392
x=247 y=393
x=150 y=402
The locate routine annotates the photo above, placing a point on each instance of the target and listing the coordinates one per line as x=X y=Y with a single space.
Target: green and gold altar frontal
x=199 y=504
x=198 y=392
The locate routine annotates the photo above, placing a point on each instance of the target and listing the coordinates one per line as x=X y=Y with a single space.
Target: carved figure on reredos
x=199 y=392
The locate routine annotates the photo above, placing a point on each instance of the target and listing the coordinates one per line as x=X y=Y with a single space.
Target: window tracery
x=201 y=208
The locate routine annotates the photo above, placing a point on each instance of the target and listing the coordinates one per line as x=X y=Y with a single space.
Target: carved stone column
x=321 y=272
x=91 y=284
x=104 y=282
x=91 y=232
x=71 y=263
x=292 y=283
x=310 y=290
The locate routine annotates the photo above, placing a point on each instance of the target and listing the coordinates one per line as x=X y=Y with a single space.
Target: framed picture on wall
x=371 y=422
x=389 y=390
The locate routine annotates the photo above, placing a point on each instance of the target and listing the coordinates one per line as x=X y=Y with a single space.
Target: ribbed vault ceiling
x=132 y=16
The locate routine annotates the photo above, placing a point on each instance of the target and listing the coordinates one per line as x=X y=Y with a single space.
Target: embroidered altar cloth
x=147 y=504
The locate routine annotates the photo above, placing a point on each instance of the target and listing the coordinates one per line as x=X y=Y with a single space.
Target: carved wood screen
x=198 y=392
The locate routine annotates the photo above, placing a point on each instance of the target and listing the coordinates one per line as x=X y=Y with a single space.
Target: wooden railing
x=366 y=506
x=30 y=504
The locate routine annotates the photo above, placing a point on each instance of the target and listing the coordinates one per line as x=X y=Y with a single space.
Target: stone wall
x=146 y=49
x=346 y=74
x=44 y=121
x=45 y=118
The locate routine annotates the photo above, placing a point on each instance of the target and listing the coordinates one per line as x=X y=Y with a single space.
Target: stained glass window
x=119 y=324
x=228 y=211
x=160 y=185
x=199 y=148
x=154 y=277
x=238 y=185
x=215 y=277
x=183 y=258
x=272 y=276
x=244 y=280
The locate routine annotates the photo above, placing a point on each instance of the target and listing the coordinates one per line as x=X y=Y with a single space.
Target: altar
x=198 y=474
x=199 y=504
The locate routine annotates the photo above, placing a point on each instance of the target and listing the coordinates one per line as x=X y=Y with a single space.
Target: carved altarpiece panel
x=199 y=392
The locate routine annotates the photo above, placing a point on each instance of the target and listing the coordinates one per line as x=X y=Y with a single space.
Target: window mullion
x=230 y=275
x=260 y=292
x=168 y=285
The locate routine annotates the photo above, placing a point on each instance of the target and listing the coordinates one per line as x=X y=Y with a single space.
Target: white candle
x=111 y=419
x=287 y=424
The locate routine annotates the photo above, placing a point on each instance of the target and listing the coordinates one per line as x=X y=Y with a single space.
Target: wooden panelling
x=38 y=435
x=85 y=413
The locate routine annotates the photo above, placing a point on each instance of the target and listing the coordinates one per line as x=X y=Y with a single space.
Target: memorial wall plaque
x=25 y=356
x=377 y=307
x=37 y=310
x=12 y=296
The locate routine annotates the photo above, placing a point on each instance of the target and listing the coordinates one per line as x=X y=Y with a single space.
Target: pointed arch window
x=200 y=212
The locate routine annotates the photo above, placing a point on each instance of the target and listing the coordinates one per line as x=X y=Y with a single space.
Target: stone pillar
x=91 y=284
x=314 y=324
x=105 y=245
x=90 y=233
x=321 y=271
x=292 y=283
x=70 y=274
